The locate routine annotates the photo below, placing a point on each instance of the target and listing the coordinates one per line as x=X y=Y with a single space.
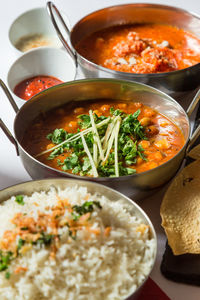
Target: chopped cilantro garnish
x=77 y=169
x=116 y=112
x=45 y=239
x=75 y=217
x=73 y=236
x=20 y=244
x=55 y=153
x=120 y=157
x=24 y=228
x=132 y=126
x=19 y=199
x=70 y=162
x=86 y=207
x=7 y=275
x=84 y=121
x=59 y=162
x=86 y=164
x=5 y=259
x=58 y=136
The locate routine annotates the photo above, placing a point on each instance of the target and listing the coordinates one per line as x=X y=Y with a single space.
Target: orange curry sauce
x=164 y=138
x=148 y=48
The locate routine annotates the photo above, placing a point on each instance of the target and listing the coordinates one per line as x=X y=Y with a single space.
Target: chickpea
x=73 y=124
x=139 y=160
x=97 y=112
x=145 y=144
x=162 y=144
x=138 y=104
x=157 y=156
x=122 y=105
x=152 y=130
x=99 y=42
x=49 y=146
x=148 y=112
x=105 y=107
x=145 y=121
x=78 y=110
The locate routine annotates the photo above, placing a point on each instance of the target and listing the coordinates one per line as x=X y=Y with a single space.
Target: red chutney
x=32 y=86
x=144 y=48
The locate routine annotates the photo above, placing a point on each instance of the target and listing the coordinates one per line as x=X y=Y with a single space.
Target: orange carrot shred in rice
x=84 y=218
x=107 y=231
x=96 y=231
x=86 y=197
x=20 y=269
x=142 y=228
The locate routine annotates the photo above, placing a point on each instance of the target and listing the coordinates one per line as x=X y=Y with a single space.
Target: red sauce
x=32 y=86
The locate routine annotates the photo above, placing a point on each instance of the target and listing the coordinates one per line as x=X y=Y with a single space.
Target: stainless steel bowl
x=137 y=13
x=30 y=187
x=136 y=185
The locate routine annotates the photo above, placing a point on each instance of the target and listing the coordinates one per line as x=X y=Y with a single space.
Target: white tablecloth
x=11 y=169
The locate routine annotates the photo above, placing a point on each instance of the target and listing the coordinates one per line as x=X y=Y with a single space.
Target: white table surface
x=11 y=169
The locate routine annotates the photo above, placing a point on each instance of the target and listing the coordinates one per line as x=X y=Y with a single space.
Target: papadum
x=180 y=211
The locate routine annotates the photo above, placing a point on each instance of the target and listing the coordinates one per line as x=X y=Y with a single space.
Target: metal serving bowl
x=30 y=187
x=136 y=185
x=137 y=13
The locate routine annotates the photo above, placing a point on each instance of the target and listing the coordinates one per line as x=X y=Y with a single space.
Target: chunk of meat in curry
x=147 y=48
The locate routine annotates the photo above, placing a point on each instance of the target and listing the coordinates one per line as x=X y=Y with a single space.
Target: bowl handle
x=9 y=135
x=51 y=8
x=16 y=109
x=190 y=110
x=193 y=104
x=9 y=96
x=193 y=138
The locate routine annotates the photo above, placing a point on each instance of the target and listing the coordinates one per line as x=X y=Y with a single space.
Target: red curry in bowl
x=34 y=85
x=143 y=48
x=103 y=138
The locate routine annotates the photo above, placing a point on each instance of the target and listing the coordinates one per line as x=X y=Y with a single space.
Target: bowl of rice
x=67 y=239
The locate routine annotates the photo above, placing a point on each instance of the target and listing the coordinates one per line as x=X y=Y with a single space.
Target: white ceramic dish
x=32 y=22
x=41 y=61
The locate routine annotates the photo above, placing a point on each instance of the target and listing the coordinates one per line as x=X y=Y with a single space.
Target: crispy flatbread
x=195 y=152
x=180 y=211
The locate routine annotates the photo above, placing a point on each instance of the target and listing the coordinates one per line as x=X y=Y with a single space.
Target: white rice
x=99 y=268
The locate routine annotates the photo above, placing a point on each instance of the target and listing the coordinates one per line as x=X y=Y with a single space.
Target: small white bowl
x=33 y=22
x=41 y=61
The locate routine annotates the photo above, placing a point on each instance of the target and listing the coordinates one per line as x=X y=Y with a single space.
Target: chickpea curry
x=143 y=48
x=104 y=138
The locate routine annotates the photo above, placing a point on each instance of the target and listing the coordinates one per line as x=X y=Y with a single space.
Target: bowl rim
x=102 y=179
x=29 y=53
x=84 y=183
x=128 y=74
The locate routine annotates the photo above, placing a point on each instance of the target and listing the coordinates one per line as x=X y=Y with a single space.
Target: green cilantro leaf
x=5 y=259
x=55 y=153
x=84 y=121
x=58 y=136
x=86 y=207
x=21 y=243
x=19 y=199
x=7 y=275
